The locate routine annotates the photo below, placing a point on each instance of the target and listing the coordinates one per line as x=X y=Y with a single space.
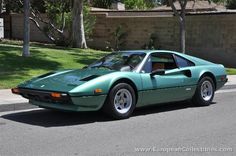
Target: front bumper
x=65 y=102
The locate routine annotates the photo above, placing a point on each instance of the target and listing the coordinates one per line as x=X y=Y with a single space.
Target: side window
x=159 y=61
x=182 y=62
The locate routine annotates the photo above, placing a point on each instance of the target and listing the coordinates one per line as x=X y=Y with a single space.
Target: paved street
x=178 y=125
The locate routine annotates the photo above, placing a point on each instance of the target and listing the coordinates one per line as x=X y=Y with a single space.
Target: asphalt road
x=179 y=127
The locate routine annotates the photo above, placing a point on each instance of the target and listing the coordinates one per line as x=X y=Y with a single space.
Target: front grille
x=44 y=96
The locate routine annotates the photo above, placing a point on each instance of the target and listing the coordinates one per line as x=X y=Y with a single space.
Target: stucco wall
x=211 y=37
x=17 y=27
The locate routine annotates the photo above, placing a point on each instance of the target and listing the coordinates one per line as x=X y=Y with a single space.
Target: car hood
x=64 y=81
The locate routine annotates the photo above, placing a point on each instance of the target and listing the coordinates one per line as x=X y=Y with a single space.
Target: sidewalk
x=6 y=97
x=231 y=80
x=10 y=102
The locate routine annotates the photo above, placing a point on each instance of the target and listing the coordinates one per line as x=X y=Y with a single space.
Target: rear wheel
x=205 y=92
x=121 y=101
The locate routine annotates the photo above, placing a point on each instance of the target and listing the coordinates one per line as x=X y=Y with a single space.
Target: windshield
x=120 y=61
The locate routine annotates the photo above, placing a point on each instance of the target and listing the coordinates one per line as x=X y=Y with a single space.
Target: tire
x=204 y=97
x=120 y=102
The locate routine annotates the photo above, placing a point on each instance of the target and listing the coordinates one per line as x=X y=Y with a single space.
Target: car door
x=168 y=87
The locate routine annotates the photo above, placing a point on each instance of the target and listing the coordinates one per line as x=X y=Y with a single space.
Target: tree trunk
x=1 y=6
x=182 y=32
x=181 y=17
x=26 y=51
x=78 y=35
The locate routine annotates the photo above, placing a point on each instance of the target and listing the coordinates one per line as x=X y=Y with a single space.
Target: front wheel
x=205 y=92
x=121 y=101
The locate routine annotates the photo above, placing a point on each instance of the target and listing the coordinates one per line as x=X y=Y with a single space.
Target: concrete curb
x=16 y=106
x=228 y=87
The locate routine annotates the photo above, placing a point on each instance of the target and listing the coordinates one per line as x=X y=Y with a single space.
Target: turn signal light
x=15 y=90
x=56 y=95
x=98 y=91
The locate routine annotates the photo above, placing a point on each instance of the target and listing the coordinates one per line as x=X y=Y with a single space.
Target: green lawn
x=231 y=71
x=15 y=69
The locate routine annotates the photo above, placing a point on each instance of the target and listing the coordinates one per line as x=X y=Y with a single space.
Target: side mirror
x=158 y=72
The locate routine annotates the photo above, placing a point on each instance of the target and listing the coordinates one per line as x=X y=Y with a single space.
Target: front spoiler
x=80 y=104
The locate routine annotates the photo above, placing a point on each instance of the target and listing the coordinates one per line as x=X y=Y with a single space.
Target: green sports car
x=122 y=81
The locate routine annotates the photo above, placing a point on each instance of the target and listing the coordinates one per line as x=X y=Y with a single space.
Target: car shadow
x=167 y=107
x=49 y=118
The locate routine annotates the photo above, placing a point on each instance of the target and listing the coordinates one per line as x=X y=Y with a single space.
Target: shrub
x=102 y=3
x=138 y=4
x=231 y=4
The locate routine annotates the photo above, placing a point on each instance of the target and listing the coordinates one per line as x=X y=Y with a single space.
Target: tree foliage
x=101 y=3
x=13 y=6
x=231 y=4
x=16 y=5
x=58 y=21
x=57 y=26
x=138 y=4
x=129 y=4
